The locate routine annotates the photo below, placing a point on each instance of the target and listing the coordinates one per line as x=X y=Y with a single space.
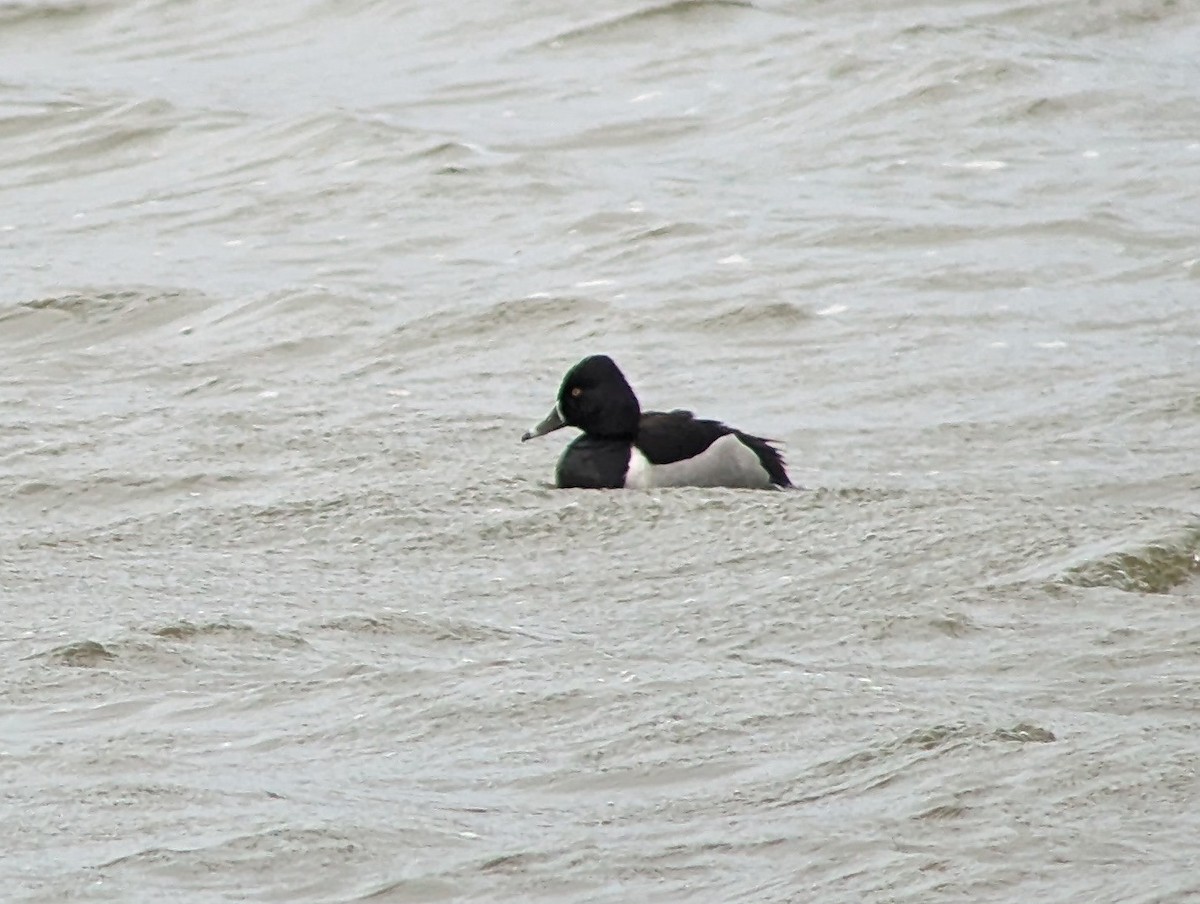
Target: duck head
x=596 y=398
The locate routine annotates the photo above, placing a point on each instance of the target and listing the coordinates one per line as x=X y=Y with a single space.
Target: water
x=289 y=612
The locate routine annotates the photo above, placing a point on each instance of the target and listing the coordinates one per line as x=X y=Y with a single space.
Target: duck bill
x=552 y=422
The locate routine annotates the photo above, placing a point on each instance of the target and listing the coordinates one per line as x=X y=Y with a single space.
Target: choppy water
x=289 y=614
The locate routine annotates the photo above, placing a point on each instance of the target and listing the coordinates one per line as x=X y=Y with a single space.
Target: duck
x=623 y=447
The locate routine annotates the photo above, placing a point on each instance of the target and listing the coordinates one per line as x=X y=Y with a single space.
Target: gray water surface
x=288 y=613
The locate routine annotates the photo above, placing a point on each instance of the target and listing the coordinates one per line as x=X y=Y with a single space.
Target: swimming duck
x=623 y=446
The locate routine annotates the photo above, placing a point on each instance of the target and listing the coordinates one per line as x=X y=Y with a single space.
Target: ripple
x=15 y=14
x=770 y=316
x=630 y=25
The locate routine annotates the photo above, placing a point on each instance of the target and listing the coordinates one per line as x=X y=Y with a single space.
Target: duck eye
x=576 y=392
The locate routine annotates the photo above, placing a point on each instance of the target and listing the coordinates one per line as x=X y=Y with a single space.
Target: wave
x=86 y=654
x=1154 y=566
x=87 y=317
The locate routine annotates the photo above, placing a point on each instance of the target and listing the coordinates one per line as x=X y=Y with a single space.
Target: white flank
x=726 y=463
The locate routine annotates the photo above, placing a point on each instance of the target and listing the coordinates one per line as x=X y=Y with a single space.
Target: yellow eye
x=576 y=392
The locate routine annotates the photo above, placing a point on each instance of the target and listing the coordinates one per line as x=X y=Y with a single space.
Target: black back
x=668 y=437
